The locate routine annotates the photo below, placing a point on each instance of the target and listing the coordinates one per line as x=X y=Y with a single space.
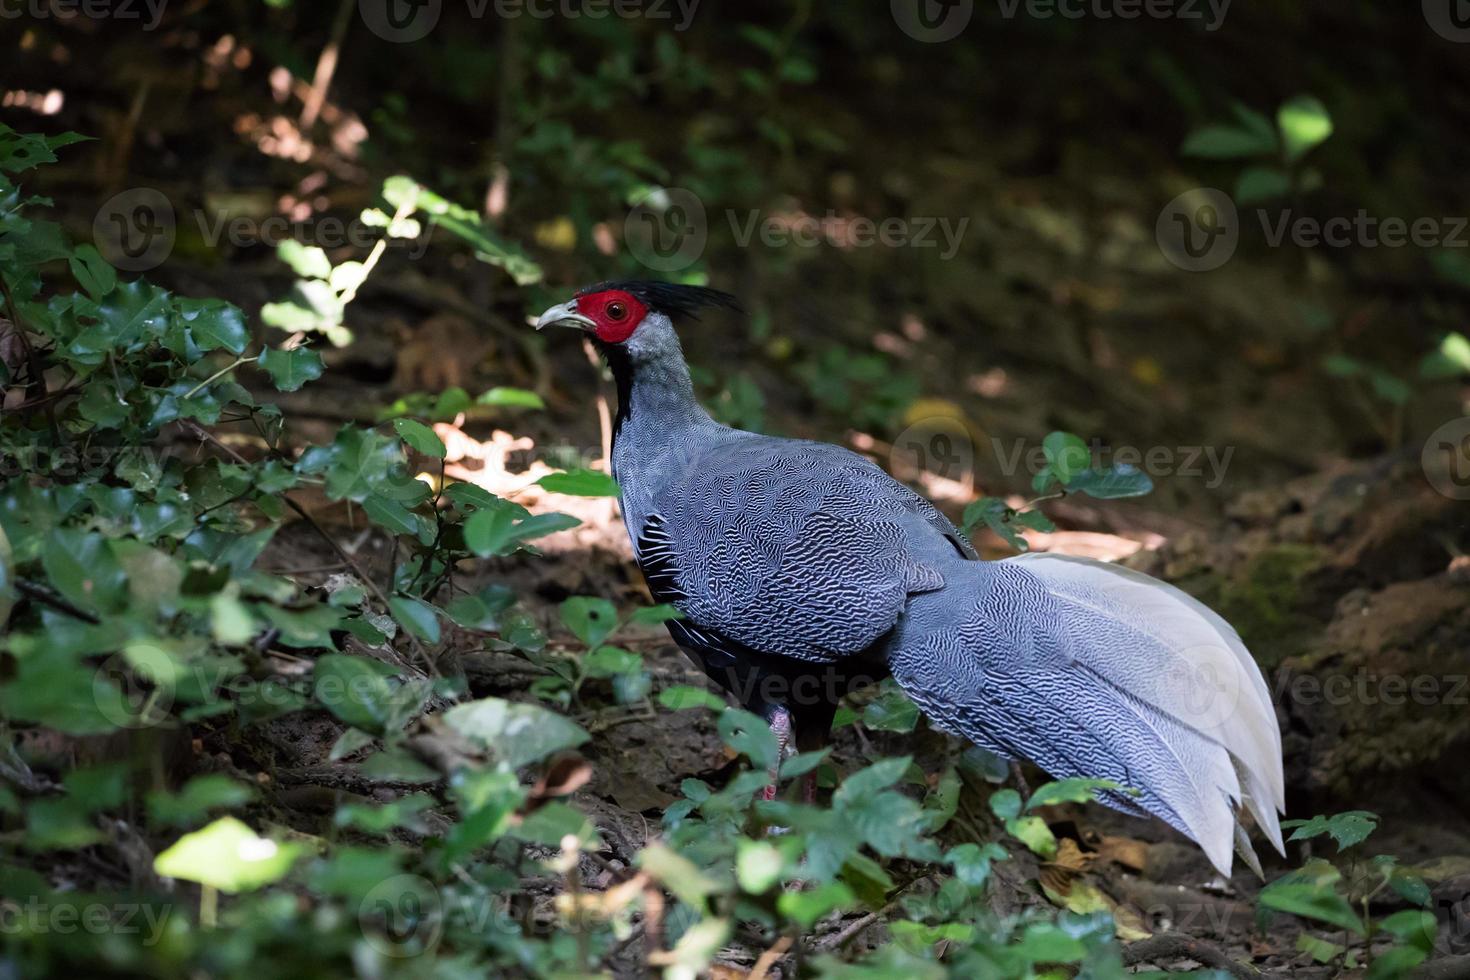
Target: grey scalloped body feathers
x=803 y=569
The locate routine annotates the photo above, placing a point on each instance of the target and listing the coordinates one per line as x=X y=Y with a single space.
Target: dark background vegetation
x=1314 y=374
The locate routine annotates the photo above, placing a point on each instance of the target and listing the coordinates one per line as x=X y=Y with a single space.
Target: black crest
x=671 y=299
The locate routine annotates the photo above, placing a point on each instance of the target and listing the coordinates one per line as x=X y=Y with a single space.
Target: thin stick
x=604 y=415
x=769 y=959
x=326 y=66
x=347 y=559
x=44 y=596
x=1176 y=945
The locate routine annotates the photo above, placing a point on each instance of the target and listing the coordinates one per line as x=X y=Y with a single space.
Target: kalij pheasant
x=802 y=569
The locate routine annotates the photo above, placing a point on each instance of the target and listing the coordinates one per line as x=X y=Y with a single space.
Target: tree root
x=1176 y=945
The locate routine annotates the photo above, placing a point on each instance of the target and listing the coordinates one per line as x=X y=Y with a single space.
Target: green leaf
x=290 y=369
x=214 y=324
x=611 y=661
x=1075 y=790
x=1113 y=483
x=81 y=567
x=228 y=856
x=307 y=261
x=416 y=616
x=510 y=398
x=1224 y=142
x=1005 y=804
x=1347 y=829
x=489 y=246
x=95 y=274
x=805 y=907
x=1256 y=185
x=1047 y=943
x=1452 y=359
x=1395 y=963
x=581 y=483
x=419 y=436
x=1066 y=455
x=1414 y=927
x=1305 y=123
x=199 y=795
x=869 y=780
x=355 y=689
x=393 y=516
x=971 y=862
x=758 y=865
x=654 y=615
x=751 y=736
x=1311 y=900
x=517 y=734
x=678 y=874
x=681 y=696
x=590 y=619
x=1320 y=950
x=1035 y=834
x=891 y=710
x=498 y=532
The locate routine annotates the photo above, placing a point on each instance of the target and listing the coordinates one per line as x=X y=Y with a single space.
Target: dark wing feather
x=791 y=548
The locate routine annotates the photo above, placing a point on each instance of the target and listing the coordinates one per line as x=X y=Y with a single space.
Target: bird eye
x=616 y=311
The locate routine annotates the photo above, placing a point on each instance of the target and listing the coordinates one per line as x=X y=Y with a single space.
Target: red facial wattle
x=615 y=313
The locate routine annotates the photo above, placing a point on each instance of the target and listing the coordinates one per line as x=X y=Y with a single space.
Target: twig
x=604 y=416
x=653 y=920
x=326 y=66
x=769 y=959
x=347 y=559
x=46 y=597
x=850 y=931
x=1176 y=945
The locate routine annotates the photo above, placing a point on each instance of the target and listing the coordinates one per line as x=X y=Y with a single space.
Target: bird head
x=636 y=315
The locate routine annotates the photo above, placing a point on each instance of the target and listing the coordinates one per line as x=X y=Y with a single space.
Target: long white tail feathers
x=1172 y=652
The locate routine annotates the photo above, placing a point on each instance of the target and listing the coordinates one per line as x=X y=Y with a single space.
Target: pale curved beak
x=565 y=315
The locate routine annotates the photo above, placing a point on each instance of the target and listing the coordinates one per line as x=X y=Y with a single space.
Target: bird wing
x=789 y=547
